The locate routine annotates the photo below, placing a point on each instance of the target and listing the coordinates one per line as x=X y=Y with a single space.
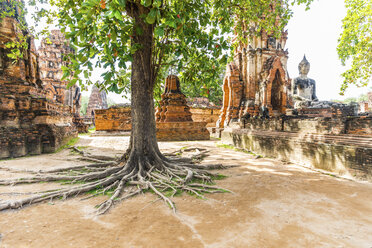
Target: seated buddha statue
x=303 y=88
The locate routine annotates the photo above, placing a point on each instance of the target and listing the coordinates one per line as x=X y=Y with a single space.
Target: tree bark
x=143 y=135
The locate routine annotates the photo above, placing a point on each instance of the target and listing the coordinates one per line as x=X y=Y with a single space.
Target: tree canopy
x=186 y=33
x=355 y=44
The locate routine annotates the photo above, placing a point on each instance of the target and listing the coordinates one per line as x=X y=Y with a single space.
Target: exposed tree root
x=162 y=176
x=93 y=158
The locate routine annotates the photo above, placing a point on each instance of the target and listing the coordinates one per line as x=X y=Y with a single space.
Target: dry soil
x=272 y=205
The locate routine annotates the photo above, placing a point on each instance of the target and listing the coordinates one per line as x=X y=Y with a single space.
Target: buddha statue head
x=304 y=67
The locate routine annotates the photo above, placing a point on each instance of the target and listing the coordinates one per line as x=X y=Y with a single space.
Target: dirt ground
x=272 y=205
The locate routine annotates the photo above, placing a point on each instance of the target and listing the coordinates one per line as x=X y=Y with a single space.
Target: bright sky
x=314 y=33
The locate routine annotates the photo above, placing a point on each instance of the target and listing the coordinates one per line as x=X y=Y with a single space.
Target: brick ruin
x=117 y=118
x=34 y=115
x=204 y=111
x=257 y=80
x=365 y=107
x=173 y=117
x=266 y=112
x=97 y=100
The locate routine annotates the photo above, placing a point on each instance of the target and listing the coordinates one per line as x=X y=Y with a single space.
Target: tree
x=203 y=78
x=355 y=43
x=147 y=33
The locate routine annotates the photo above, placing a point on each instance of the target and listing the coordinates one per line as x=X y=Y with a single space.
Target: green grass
x=238 y=149
x=82 y=147
x=70 y=143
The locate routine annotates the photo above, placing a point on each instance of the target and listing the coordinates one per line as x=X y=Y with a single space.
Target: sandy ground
x=273 y=205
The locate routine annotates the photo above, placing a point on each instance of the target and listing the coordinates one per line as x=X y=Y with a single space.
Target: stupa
x=173 y=117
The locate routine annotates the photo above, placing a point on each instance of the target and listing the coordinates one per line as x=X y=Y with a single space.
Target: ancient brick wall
x=115 y=118
x=340 y=145
x=349 y=156
x=181 y=131
x=30 y=121
x=319 y=125
x=97 y=100
x=208 y=115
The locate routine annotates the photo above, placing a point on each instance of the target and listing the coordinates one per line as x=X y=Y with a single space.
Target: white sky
x=314 y=33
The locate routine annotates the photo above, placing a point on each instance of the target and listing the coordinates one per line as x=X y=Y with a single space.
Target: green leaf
x=146 y=3
x=156 y=3
x=159 y=31
x=117 y=15
x=151 y=17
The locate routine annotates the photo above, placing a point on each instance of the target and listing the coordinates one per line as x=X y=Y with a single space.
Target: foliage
x=101 y=32
x=360 y=98
x=192 y=37
x=203 y=78
x=84 y=105
x=355 y=44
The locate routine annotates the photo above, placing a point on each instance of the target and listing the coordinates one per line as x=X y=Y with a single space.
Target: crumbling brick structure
x=259 y=113
x=257 y=79
x=51 y=59
x=204 y=111
x=97 y=100
x=30 y=121
x=116 y=118
x=173 y=117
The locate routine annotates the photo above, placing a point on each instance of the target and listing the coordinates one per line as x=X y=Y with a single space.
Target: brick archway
x=276 y=91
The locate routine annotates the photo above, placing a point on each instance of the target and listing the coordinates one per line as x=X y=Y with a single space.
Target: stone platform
x=342 y=146
x=181 y=131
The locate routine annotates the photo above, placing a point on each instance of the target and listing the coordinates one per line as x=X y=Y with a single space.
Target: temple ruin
x=173 y=116
x=97 y=100
x=36 y=109
x=113 y=120
x=266 y=112
x=257 y=81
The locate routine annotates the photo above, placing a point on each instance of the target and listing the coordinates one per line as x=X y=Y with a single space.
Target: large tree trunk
x=143 y=135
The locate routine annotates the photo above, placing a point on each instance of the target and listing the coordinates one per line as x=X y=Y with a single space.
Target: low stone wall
x=325 y=125
x=34 y=139
x=208 y=115
x=342 y=146
x=181 y=131
x=113 y=119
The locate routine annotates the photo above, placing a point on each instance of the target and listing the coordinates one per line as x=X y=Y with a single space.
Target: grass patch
x=238 y=150
x=82 y=147
x=84 y=134
x=69 y=143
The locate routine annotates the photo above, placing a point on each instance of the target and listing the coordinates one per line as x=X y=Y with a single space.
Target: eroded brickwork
x=173 y=117
x=97 y=100
x=30 y=122
x=115 y=118
x=173 y=104
x=257 y=81
x=341 y=145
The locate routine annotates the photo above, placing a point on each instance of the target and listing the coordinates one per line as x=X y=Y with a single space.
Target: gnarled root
x=163 y=177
